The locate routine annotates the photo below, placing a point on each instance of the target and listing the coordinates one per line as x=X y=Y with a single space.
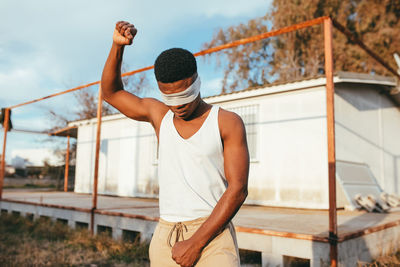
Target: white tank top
x=191 y=171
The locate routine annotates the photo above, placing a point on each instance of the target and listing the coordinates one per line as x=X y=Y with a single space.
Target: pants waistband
x=189 y=224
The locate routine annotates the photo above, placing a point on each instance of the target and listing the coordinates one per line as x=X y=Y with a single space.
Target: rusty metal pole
x=96 y=162
x=330 y=117
x=66 y=167
x=3 y=155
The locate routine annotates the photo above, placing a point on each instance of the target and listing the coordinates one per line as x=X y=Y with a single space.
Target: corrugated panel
x=356 y=178
x=249 y=115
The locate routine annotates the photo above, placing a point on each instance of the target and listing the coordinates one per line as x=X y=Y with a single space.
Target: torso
x=187 y=129
x=191 y=166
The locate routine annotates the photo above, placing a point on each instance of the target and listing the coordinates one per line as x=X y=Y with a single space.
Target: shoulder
x=230 y=123
x=157 y=111
x=228 y=117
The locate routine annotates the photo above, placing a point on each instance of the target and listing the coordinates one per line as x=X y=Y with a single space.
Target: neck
x=201 y=108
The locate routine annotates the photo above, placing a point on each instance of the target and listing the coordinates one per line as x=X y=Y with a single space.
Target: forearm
x=226 y=208
x=111 y=80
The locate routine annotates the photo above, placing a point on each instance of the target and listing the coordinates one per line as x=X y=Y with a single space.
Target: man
x=203 y=158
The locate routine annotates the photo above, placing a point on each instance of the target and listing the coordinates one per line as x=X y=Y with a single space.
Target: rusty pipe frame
x=3 y=155
x=66 y=172
x=240 y=42
x=243 y=41
x=330 y=106
x=330 y=113
x=266 y=35
x=96 y=161
x=330 y=117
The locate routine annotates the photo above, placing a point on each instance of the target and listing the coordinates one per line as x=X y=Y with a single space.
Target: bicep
x=141 y=109
x=236 y=154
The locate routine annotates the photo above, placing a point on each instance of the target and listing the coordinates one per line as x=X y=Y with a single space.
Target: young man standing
x=203 y=158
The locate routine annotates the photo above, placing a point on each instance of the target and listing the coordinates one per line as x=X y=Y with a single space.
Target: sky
x=50 y=46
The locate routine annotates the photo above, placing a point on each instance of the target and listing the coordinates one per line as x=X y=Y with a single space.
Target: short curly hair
x=174 y=64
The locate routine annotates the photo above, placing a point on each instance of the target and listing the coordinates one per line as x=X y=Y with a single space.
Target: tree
x=87 y=101
x=300 y=54
x=87 y=108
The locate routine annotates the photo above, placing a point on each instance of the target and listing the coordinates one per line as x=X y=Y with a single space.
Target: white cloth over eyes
x=184 y=97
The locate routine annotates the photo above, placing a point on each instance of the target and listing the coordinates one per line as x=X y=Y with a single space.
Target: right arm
x=142 y=109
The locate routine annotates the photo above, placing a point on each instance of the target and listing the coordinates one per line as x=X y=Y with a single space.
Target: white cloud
x=227 y=8
x=18 y=83
x=48 y=46
x=36 y=157
x=211 y=87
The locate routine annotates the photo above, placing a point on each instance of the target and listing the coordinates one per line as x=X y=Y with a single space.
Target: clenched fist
x=124 y=33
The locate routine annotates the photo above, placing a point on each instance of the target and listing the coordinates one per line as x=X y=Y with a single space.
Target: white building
x=286 y=130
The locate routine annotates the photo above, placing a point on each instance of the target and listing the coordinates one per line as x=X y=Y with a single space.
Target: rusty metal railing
x=330 y=90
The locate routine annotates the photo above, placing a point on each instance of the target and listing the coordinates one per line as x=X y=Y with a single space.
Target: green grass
x=46 y=243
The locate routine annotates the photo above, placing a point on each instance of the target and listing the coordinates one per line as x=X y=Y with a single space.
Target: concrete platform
x=277 y=233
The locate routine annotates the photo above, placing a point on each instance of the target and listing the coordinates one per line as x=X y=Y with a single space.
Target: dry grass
x=384 y=261
x=46 y=243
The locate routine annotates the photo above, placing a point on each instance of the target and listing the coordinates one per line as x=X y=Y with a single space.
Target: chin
x=183 y=116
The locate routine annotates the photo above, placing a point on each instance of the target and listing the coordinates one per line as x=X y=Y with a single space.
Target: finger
x=132 y=30
x=128 y=32
x=118 y=25
x=174 y=258
x=123 y=28
x=121 y=25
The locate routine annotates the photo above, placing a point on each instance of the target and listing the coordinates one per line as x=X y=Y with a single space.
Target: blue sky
x=50 y=46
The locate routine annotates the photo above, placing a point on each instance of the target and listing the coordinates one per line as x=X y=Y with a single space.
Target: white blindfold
x=184 y=97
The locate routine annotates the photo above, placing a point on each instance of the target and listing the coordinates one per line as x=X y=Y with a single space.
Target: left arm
x=236 y=166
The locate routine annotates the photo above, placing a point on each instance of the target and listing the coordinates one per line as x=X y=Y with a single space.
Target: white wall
x=125 y=165
x=368 y=131
x=291 y=169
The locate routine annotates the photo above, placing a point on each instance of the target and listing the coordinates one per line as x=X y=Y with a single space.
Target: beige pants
x=222 y=251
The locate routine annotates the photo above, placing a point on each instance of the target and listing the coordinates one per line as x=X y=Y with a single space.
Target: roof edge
x=339 y=77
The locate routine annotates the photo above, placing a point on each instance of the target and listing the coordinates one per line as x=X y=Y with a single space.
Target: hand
x=124 y=33
x=185 y=253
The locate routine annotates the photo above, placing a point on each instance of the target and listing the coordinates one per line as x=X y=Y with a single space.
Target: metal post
x=330 y=116
x=96 y=162
x=3 y=156
x=66 y=167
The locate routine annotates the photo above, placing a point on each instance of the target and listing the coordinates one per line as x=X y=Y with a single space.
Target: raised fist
x=124 y=33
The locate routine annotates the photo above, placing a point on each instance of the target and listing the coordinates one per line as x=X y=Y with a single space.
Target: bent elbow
x=241 y=194
x=245 y=193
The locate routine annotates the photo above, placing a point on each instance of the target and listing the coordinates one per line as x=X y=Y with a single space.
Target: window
x=249 y=115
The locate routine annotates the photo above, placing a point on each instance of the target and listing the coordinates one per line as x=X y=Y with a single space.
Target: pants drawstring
x=179 y=227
